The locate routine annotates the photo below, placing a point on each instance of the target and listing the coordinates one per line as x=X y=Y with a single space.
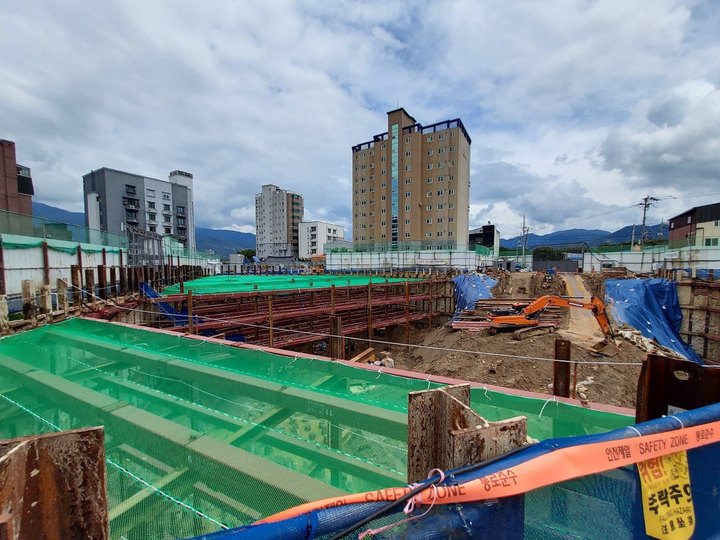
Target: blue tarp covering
x=652 y=307
x=469 y=288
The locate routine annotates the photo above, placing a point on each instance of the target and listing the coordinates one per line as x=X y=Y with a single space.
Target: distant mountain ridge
x=222 y=242
x=592 y=237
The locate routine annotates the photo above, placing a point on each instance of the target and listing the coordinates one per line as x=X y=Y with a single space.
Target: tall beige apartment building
x=411 y=186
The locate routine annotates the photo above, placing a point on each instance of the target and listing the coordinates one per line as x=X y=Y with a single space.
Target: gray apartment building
x=116 y=201
x=278 y=214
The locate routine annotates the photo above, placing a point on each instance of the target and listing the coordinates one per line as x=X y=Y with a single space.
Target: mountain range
x=223 y=242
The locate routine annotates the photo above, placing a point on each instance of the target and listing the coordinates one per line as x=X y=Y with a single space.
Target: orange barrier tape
x=558 y=466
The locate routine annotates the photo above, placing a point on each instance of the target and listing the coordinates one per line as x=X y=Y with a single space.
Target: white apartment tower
x=278 y=214
x=315 y=234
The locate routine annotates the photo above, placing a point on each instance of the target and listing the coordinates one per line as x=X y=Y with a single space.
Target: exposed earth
x=527 y=365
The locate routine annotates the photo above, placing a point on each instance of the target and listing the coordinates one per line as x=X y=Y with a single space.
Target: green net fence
x=201 y=436
x=281 y=282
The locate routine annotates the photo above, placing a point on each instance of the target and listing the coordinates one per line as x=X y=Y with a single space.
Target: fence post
x=113 y=282
x=561 y=368
x=4 y=314
x=46 y=263
x=90 y=284
x=62 y=292
x=29 y=307
x=76 y=285
x=45 y=299
x=102 y=280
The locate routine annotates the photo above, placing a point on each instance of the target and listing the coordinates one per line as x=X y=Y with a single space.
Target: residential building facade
x=16 y=187
x=278 y=214
x=697 y=227
x=116 y=200
x=315 y=234
x=411 y=186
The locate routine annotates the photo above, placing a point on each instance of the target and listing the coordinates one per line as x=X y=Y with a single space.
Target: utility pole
x=646 y=203
x=525 y=231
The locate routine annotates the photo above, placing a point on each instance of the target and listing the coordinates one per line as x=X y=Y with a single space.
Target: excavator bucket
x=606 y=347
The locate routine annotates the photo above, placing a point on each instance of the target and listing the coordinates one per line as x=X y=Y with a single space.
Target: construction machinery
x=527 y=317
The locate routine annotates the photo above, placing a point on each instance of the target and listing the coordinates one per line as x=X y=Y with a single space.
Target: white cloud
x=576 y=109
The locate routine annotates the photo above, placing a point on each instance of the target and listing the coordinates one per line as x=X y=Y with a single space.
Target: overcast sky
x=576 y=109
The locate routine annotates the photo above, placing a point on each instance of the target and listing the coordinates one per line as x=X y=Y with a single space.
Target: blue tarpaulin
x=652 y=307
x=469 y=288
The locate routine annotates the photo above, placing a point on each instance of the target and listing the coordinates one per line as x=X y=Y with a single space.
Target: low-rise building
x=314 y=235
x=697 y=227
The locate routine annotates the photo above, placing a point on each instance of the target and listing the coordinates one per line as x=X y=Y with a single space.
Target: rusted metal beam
x=53 y=486
x=444 y=432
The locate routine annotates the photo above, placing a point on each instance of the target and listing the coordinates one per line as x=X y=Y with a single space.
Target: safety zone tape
x=556 y=466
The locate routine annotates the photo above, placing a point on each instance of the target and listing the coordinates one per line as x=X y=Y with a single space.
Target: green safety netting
x=13 y=241
x=281 y=282
x=201 y=435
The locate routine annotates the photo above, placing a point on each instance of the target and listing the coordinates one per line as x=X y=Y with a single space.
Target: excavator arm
x=528 y=316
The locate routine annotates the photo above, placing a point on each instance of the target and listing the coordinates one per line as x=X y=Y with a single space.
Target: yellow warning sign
x=667 y=497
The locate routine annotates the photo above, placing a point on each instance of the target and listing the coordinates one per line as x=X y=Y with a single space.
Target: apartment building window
x=430 y=180
x=429 y=139
x=407 y=154
x=153 y=229
x=383 y=236
x=166 y=207
x=166 y=196
x=441 y=178
x=450 y=233
x=440 y=233
x=131 y=215
x=372 y=189
x=152 y=217
x=429 y=166
x=441 y=150
x=168 y=230
x=383 y=223
x=452 y=162
x=441 y=164
x=383 y=172
x=151 y=204
x=407 y=207
x=407 y=222
x=452 y=148
x=150 y=193
x=372 y=177
x=408 y=180
x=383 y=197
x=429 y=194
x=407 y=194
x=383 y=159
x=451 y=192
x=441 y=136
x=383 y=211
x=181 y=221
x=452 y=177
x=383 y=185
x=428 y=234
x=439 y=220
x=130 y=189
x=407 y=235
x=710 y=242
x=451 y=220
x=451 y=205
x=428 y=221
x=439 y=206
x=372 y=165
x=372 y=152
x=428 y=207
x=166 y=219
x=407 y=140
x=363 y=154
x=429 y=152
x=382 y=146
x=408 y=167
x=441 y=192
x=180 y=210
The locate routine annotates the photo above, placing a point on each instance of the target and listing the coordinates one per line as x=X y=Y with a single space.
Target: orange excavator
x=519 y=318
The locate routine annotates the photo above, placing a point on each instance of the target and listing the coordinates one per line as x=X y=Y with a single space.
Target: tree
x=247 y=253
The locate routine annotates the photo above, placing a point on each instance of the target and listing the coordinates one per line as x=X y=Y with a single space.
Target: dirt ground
x=527 y=365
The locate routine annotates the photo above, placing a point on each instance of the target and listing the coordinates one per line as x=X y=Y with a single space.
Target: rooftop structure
x=698 y=227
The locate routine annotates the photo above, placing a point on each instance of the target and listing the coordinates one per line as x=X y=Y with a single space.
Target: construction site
x=174 y=404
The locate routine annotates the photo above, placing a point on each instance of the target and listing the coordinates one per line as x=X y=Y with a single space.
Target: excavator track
x=523 y=333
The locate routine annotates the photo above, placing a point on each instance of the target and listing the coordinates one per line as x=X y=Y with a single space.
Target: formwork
x=201 y=435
